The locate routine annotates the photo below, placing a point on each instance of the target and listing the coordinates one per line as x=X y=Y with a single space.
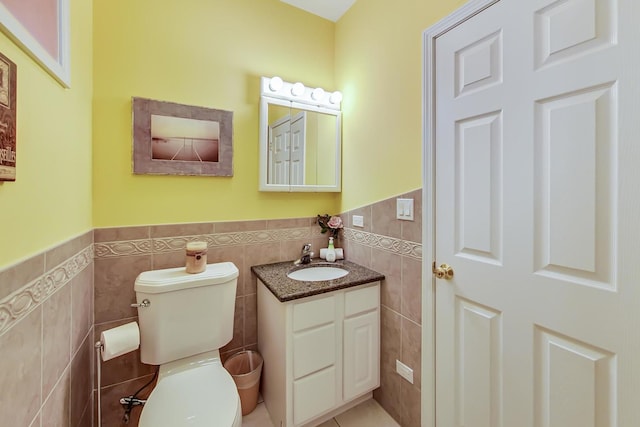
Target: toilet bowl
x=195 y=391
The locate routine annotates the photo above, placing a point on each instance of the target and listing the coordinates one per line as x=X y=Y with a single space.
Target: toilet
x=184 y=320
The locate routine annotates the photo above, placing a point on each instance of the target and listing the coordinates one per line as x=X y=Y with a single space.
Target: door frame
x=428 y=389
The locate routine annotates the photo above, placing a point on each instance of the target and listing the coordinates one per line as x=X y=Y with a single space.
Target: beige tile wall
x=385 y=244
x=54 y=306
x=46 y=337
x=393 y=248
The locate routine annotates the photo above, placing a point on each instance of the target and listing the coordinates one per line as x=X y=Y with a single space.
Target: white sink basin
x=315 y=274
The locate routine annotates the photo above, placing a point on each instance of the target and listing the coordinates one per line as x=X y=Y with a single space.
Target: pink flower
x=335 y=222
x=330 y=223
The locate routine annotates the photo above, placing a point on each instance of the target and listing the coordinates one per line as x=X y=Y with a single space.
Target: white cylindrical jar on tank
x=196 y=260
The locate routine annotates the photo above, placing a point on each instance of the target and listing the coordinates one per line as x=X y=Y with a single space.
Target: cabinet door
x=361 y=354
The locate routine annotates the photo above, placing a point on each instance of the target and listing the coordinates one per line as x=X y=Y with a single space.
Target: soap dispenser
x=331 y=251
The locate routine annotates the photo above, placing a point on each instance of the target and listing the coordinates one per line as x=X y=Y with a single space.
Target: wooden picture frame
x=178 y=139
x=8 y=123
x=41 y=28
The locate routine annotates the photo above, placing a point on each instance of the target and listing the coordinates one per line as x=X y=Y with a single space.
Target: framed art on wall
x=8 y=124
x=41 y=28
x=177 y=139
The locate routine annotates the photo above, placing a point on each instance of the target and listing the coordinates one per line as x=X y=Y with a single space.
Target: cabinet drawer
x=313 y=350
x=361 y=300
x=314 y=313
x=314 y=395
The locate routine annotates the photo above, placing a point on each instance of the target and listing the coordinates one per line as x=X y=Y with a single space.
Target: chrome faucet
x=305 y=255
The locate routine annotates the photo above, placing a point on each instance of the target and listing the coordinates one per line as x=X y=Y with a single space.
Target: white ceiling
x=328 y=9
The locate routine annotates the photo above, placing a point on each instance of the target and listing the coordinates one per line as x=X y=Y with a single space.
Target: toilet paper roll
x=339 y=253
x=118 y=341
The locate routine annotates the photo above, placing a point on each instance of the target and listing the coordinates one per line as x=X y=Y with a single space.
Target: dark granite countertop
x=274 y=276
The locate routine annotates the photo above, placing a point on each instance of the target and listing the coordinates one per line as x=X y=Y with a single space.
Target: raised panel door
x=361 y=354
x=536 y=209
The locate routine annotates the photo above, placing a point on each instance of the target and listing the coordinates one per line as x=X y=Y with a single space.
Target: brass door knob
x=445 y=271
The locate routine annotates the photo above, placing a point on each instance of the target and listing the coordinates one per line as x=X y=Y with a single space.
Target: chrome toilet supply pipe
x=98 y=347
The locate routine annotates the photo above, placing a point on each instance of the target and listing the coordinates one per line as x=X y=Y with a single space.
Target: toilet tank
x=188 y=313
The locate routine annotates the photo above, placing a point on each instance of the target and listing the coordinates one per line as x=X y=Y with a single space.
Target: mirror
x=299 y=143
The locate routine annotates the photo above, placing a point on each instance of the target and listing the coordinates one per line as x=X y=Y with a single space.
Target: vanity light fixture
x=336 y=97
x=297 y=89
x=275 y=87
x=317 y=94
x=275 y=84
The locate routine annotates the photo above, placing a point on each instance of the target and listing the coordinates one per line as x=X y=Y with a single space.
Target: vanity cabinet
x=321 y=353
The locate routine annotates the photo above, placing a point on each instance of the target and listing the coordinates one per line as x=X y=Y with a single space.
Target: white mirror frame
x=283 y=97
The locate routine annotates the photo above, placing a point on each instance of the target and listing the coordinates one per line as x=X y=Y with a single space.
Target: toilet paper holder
x=144 y=304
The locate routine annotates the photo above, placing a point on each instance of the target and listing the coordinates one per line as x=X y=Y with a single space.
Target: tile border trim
x=123 y=248
x=386 y=243
x=20 y=303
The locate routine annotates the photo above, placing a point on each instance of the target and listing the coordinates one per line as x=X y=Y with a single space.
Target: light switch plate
x=357 y=220
x=404 y=209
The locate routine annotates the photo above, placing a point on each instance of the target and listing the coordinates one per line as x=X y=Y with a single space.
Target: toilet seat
x=194 y=392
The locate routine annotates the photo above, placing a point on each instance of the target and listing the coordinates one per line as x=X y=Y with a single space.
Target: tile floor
x=367 y=414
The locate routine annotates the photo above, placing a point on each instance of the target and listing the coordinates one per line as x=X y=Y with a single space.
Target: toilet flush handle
x=144 y=304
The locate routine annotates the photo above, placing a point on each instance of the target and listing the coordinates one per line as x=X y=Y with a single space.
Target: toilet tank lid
x=172 y=279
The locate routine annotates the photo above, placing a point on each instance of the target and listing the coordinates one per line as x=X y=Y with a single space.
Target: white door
x=279 y=151
x=537 y=209
x=298 y=146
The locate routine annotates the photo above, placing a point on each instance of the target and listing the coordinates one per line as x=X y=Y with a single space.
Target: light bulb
x=275 y=84
x=317 y=94
x=336 y=97
x=297 y=89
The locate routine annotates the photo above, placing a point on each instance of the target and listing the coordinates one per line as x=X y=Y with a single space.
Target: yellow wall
x=208 y=53
x=379 y=69
x=212 y=54
x=50 y=201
